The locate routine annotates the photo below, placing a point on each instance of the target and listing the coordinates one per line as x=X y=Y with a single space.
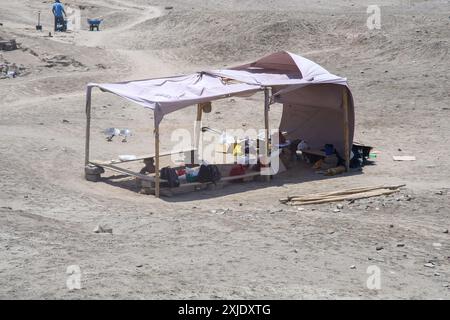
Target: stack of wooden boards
x=349 y=194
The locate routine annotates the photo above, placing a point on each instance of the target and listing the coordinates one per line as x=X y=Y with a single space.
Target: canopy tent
x=317 y=105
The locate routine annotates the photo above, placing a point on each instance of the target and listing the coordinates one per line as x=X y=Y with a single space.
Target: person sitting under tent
x=149 y=166
x=59 y=13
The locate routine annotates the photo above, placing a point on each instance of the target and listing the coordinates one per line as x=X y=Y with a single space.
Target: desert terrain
x=238 y=242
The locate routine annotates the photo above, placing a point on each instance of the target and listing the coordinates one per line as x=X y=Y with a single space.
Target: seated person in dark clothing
x=149 y=166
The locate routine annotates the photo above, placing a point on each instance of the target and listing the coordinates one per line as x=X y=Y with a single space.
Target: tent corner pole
x=157 y=177
x=346 y=129
x=88 y=126
x=197 y=133
x=267 y=91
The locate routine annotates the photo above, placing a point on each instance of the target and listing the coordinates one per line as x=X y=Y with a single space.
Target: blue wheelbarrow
x=94 y=24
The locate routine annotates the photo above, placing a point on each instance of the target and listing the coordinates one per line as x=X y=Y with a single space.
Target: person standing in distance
x=59 y=13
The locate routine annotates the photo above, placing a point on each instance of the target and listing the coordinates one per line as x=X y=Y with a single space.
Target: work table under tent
x=317 y=108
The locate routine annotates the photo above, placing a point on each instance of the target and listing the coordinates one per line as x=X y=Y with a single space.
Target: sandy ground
x=236 y=242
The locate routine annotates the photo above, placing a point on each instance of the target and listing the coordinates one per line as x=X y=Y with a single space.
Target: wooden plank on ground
x=362 y=195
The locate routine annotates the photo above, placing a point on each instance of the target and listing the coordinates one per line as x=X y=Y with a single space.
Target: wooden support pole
x=157 y=178
x=88 y=126
x=266 y=125
x=198 y=130
x=346 y=129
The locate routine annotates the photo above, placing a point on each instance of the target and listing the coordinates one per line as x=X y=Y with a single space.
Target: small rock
x=168 y=7
x=379 y=248
x=44 y=149
x=437 y=245
x=221 y=211
x=65 y=121
x=352 y=267
x=276 y=211
x=336 y=210
x=445 y=231
x=100 y=229
x=139 y=266
x=301 y=209
x=391 y=226
x=429 y=265
x=296 y=250
x=437 y=274
x=400 y=245
x=340 y=206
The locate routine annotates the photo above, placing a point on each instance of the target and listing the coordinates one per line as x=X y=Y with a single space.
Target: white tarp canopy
x=165 y=95
x=281 y=68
